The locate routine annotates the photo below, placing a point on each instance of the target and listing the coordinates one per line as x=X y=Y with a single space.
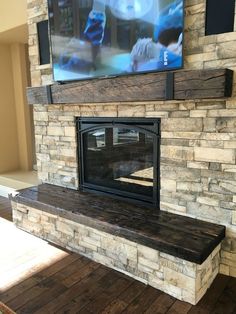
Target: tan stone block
x=131 y=252
x=66 y=152
x=209 y=48
x=187 y=106
x=87 y=245
x=189 y=187
x=204 y=143
x=189 y=296
x=47 y=79
x=66 y=118
x=149 y=107
x=179 y=280
x=166 y=106
x=49 y=227
x=35 y=76
x=145 y=269
x=177 y=152
x=186 y=125
x=209 y=125
x=17 y=215
x=23 y=209
x=226 y=50
x=33 y=50
x=92 y=241
x=157 y=114
x=125 y=241
x=228 y=186
x=173 y=207
x=179 y=114
x=43 y=157
x=234 y=218
x=226 y=37
x=210 y=104
x=41 y=116
x=181 y=135
x=197 y=165
x=198 y=113
x=156 y=282
x=182 y=266
x=231 y=104
x=32 y=29
x=217 y=136
x=208 y=201
x=224 y=269
x=103 y=259
x=35 y=228
x=34 y=217
x=228 y=168
x=195 y=58
x=148 y=263
x=111 y=114
x=194 y=22
x=232 y=271
x=56 y=131
x=65 y=228
x=148 y=253
x=169 y=185
x=70 y=131
x=222 y=113
x=214 y=155
x=120 y=250
x=230 y=144
x=234 y=198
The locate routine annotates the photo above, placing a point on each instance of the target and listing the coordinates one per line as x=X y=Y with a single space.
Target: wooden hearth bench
x=176 y=254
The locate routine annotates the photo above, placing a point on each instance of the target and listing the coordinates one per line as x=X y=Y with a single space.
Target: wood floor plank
x=58 y=287
x=53 y=306
x=29 y=283
x=143 y=301
x=44 y=286
x=80 y=274
x=161 y=305
x=122 y=302
x=5 y=209
x=89 y=292
x=180 y=307
x=103 y=299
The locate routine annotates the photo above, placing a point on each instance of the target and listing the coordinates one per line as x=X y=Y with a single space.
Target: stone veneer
x=182 y=279
x=198 y=149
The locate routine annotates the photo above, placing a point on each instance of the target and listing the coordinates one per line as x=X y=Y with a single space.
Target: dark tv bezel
x=114 y=75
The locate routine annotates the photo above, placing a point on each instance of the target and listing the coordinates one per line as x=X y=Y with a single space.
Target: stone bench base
x=186 y=281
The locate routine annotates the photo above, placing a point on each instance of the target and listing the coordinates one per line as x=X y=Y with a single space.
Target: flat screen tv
x=102 y=38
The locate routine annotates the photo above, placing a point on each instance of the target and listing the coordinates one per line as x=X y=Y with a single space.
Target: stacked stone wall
x=198 y=146
x=182 y=279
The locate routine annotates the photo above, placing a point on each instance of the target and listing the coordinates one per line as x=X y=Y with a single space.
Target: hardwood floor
x=36 y=277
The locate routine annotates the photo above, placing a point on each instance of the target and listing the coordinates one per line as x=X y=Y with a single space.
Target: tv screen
x=100 y=38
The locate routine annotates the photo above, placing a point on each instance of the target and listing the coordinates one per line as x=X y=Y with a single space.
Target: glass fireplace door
x=119 y=159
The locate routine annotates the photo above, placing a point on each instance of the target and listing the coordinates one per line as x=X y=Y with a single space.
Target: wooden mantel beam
x=181 y=85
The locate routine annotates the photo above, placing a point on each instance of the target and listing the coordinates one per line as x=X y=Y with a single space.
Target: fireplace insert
x=120 y=157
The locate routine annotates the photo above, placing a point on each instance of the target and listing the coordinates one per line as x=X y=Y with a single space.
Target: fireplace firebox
x=120 y=157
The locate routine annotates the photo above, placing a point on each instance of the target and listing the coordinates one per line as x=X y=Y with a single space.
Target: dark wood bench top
x=180 y=236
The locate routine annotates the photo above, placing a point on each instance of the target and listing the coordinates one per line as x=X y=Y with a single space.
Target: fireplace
x=120 y=157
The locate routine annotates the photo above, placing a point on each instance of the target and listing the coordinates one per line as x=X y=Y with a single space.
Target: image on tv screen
x=100 y=38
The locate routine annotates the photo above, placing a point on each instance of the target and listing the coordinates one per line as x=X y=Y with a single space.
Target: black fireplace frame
x=146 y=125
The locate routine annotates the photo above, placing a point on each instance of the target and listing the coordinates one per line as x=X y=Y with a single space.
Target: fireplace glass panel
x=121 y=159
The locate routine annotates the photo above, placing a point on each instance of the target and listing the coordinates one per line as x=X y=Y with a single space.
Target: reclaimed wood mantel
x=179 y=85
